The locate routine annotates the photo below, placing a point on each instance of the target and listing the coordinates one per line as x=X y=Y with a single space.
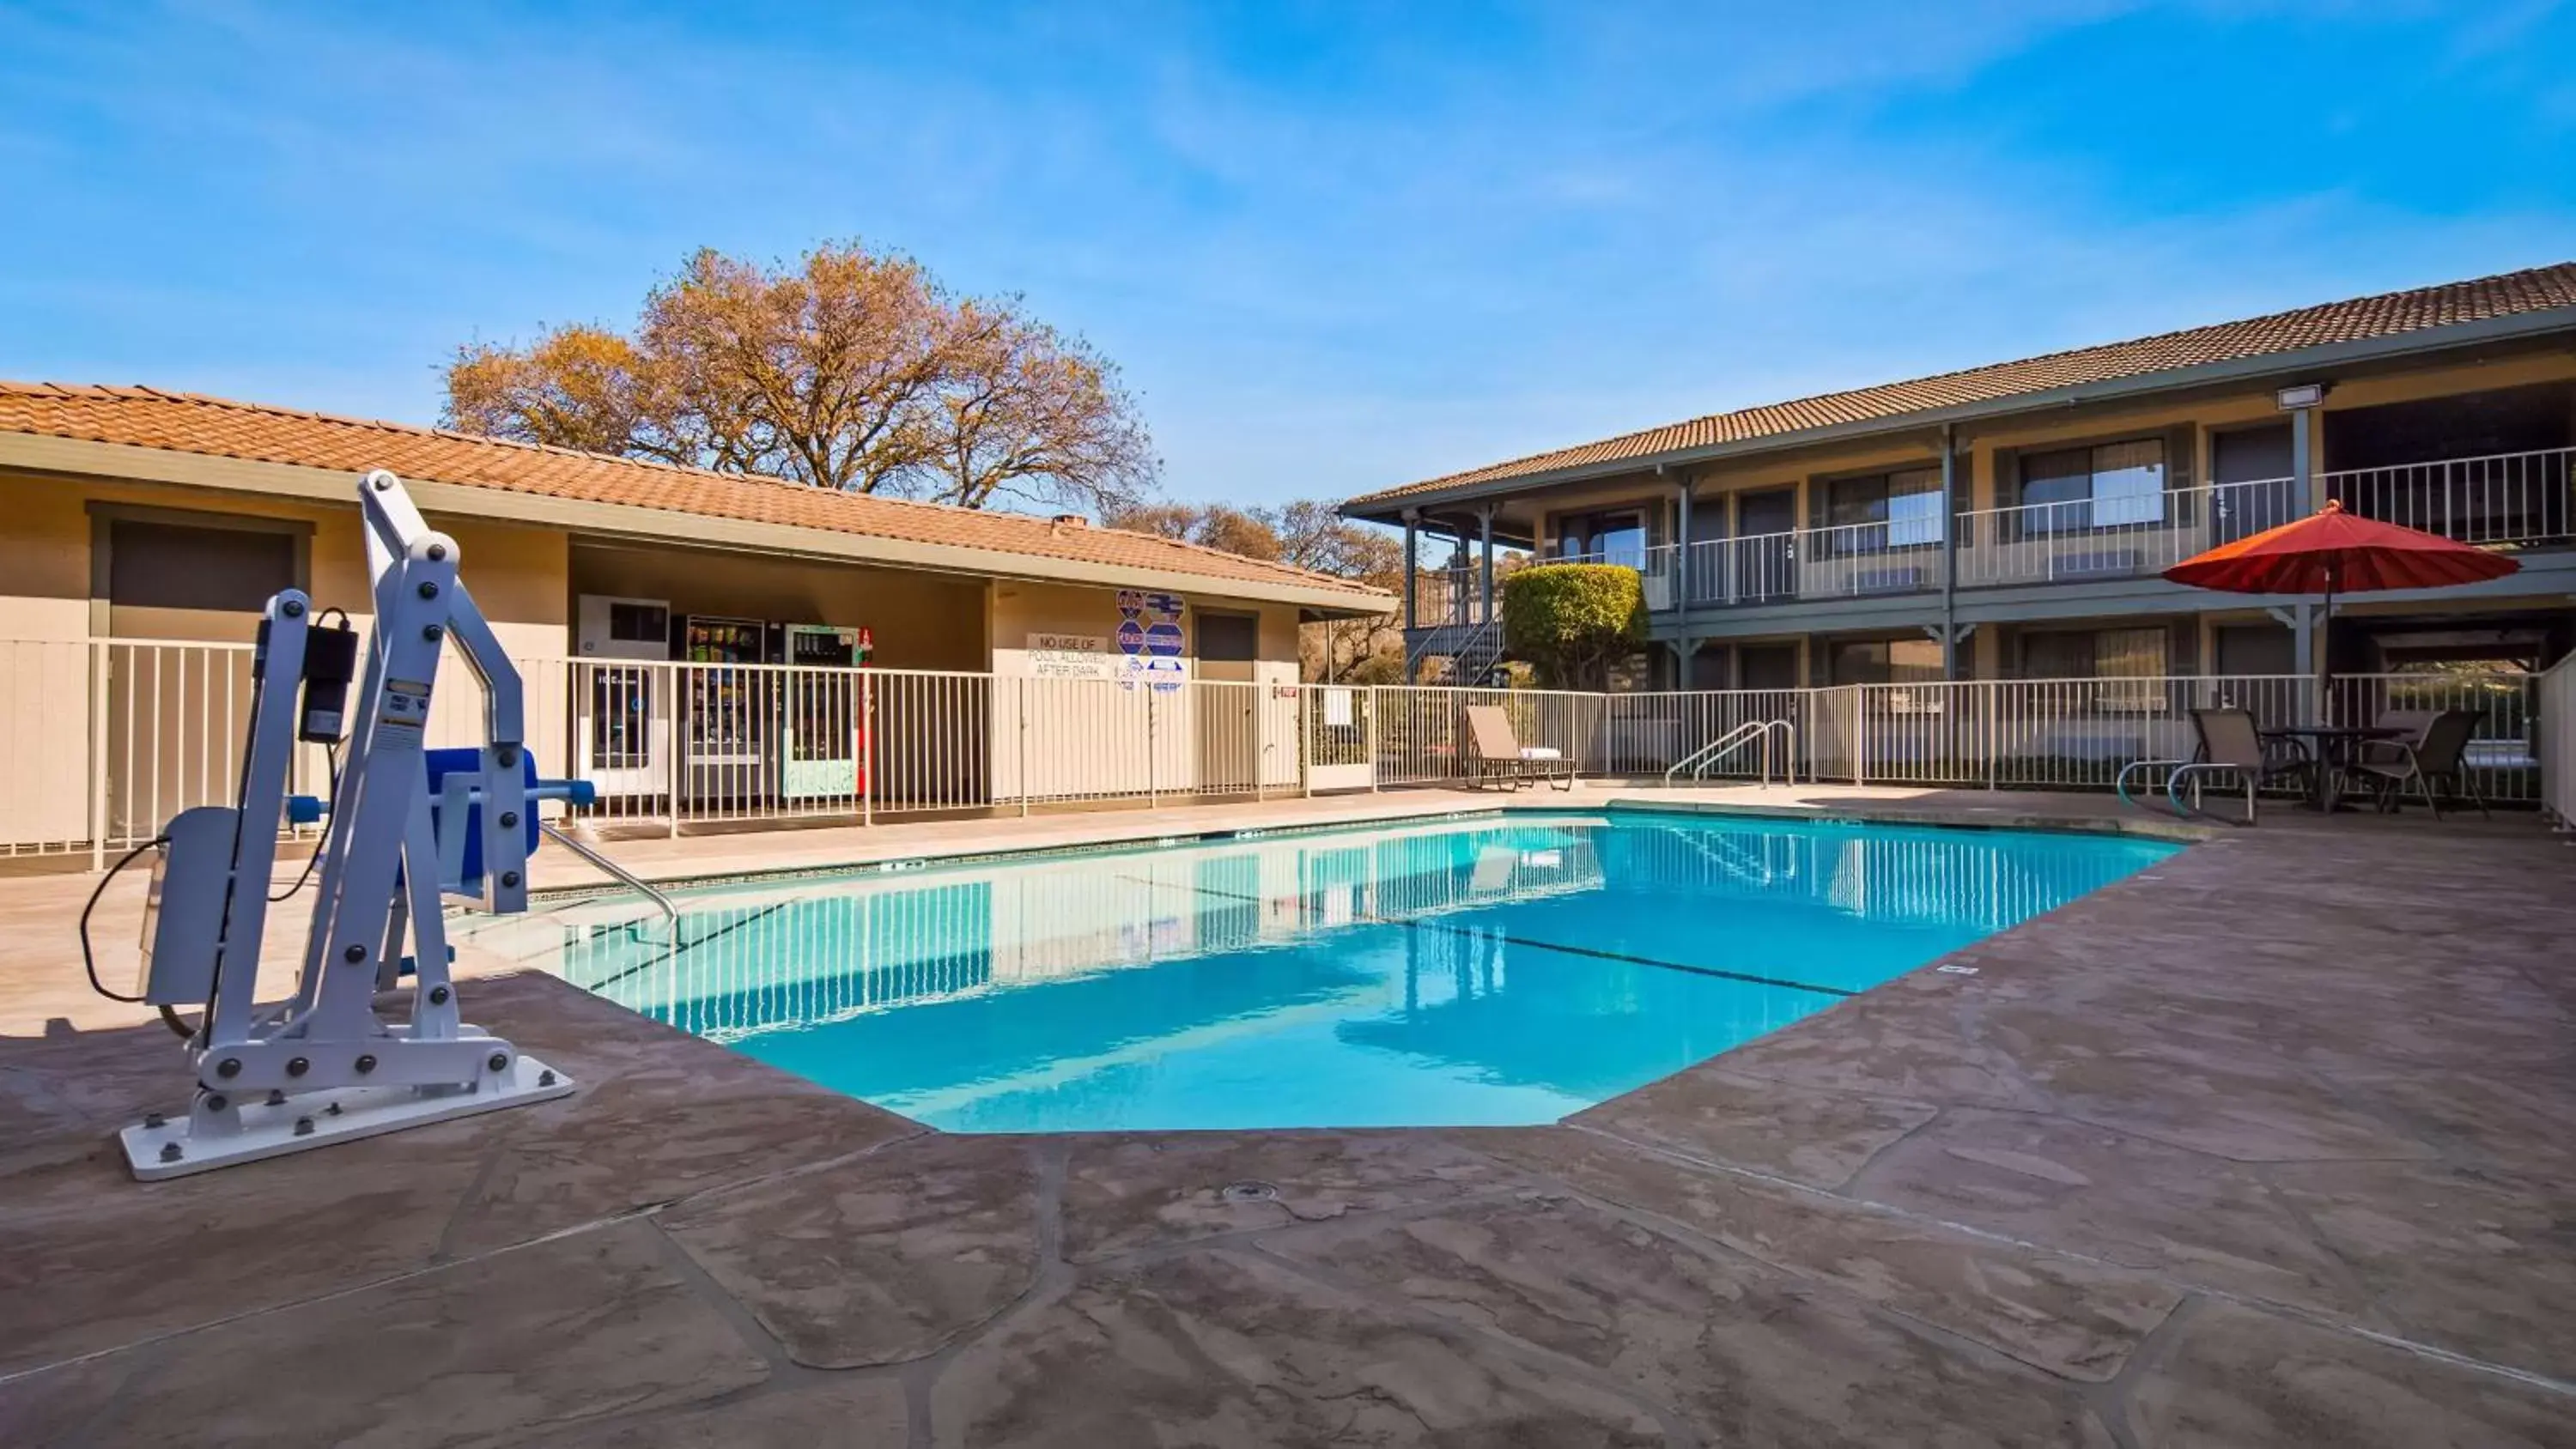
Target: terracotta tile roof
x=186 y=423
x=2387 y=315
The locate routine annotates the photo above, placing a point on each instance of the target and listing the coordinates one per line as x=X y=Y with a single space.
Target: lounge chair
x=2438 y=754
x=2229 y=744
x=1501 y=759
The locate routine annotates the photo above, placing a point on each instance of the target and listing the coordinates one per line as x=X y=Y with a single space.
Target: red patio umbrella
x=2330 y=552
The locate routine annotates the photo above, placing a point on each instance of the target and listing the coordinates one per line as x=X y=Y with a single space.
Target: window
x=2100 y=487
x=1883 y=661
x=1908 y=503
x=154 y=565
x=2256 y=649
x=1618 y=538
x=1229 y=637
x=2129 y=653
x=2107 y=654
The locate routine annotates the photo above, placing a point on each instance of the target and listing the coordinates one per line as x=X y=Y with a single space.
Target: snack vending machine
x=825 y=714
x=726 y=709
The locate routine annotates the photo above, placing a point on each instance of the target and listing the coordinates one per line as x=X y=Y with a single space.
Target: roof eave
x=1391 y=507
x=85 y=458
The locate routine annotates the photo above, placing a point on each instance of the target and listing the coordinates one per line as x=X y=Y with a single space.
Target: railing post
x=1368 y=737
x=677 y=757
x=1994 y=692
x=868 y=755
x=1260 y=741
x=1023 y=692
x=1153 y=716
x=1306 y=736
x=101 y=659
x=1860 y=734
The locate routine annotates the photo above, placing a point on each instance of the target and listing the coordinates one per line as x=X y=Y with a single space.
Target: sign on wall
x=1071 y=656
x=1150 y=638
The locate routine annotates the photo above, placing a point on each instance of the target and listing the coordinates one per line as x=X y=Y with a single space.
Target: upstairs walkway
x=2266 y=1145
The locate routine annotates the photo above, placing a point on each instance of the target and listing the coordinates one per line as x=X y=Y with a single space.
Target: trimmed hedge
x=1571 y=621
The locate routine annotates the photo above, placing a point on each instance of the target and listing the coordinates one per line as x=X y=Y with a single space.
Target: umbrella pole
x=2325 y=655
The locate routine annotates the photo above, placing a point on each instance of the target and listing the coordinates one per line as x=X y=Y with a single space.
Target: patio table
x=2332 y=748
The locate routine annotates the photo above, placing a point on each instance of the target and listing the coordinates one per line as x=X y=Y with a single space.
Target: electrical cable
x=309 y=861
x=89 y=962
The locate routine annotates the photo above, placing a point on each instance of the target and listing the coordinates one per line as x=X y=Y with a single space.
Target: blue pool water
x=1483 y=972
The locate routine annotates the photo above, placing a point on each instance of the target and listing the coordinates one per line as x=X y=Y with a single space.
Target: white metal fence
x=105 y=740
x=2553 y=703
x=2503 y=498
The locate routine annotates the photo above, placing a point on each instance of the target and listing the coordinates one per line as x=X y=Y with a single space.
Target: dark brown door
x=1764 y=563
x=1769 y=666
x=2252 y=490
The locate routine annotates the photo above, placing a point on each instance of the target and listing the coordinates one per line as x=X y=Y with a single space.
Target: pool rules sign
x=1071 y=656
x=1150 y=641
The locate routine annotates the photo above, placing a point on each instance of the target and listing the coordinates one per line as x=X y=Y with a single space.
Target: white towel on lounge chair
x=1541 y=752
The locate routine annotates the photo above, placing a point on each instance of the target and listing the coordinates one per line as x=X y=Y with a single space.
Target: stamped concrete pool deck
x=2272 y=1144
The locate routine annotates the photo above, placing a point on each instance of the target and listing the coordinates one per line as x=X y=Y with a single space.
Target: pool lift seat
x=408 y=829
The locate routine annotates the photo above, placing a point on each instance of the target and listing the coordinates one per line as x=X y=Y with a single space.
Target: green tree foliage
x=1573 y=621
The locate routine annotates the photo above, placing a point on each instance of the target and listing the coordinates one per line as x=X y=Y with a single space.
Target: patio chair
x=1500 y=757
x=2409 y=723
x=2231 y=744
x=2438 y=755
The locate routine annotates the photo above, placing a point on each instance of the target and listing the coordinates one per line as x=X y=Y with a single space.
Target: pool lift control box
x=373 y=1038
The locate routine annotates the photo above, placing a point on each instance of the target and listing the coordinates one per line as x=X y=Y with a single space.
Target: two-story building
x=2011 y=521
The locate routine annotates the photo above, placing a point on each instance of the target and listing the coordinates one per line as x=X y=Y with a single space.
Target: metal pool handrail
x=1698 y=761
x=614 y=871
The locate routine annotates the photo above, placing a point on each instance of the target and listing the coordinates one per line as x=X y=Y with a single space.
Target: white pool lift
x=373 y=1040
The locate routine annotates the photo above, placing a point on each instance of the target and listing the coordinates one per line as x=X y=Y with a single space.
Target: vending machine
x=727 y=709
x=825 y=713
x=621 y=696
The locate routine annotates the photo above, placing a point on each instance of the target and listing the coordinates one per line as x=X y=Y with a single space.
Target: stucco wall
x=918 y=620
x=171 y=698
x=1089 y=735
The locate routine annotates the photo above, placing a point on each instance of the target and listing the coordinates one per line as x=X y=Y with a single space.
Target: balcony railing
x=2115 y=537
x=2501 y=500
x=1452 y=596
x=2505 y=500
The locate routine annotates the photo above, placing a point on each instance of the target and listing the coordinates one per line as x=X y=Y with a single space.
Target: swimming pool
x=1486 y=971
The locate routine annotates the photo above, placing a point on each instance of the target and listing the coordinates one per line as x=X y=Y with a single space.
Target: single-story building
x=657 y=611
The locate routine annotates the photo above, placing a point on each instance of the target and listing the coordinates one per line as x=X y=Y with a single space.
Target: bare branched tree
x=1032 y=415
x=1308 y=534
x=852 y=370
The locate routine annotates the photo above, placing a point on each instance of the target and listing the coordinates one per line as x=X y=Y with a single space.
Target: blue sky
x=1334 y=247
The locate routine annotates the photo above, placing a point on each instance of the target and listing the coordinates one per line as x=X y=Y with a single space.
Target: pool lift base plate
x=342 y=1114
